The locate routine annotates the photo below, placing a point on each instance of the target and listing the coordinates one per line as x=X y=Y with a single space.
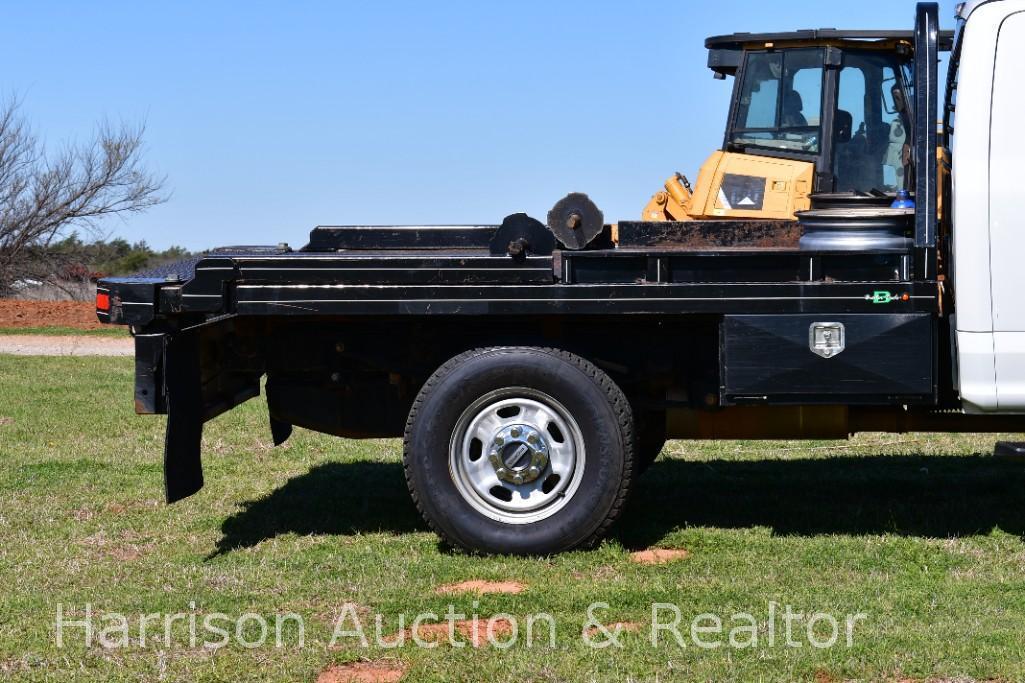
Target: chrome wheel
x=516 y=455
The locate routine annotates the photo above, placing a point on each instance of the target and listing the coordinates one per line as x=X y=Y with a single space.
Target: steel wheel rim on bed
x=516 y=455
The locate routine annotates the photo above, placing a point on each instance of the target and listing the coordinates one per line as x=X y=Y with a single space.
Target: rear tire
x=519 y=450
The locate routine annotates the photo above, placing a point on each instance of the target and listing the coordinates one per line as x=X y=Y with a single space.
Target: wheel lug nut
x=532 y=439
x=535 y=471
x=499 y=441
x=518 y=479
x=501 y=471
x=514 y=432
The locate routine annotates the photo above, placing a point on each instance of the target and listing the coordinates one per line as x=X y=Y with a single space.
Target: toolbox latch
x=827 y=339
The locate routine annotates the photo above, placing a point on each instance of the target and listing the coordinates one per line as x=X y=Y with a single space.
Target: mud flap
x=203 y=378
x=279 y=429
x=183 y=467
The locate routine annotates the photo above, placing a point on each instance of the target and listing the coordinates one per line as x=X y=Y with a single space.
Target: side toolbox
x=842 y=359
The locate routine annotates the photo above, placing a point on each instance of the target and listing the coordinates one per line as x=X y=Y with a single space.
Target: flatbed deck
x=657 y=268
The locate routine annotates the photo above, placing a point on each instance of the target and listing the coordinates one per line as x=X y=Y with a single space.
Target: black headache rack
x=772 y=300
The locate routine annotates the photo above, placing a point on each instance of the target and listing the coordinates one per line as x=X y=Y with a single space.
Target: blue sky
x=271 y=118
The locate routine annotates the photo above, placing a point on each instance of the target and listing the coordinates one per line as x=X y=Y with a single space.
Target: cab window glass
x=761 y=99
x=871 y=125
x=780 y=103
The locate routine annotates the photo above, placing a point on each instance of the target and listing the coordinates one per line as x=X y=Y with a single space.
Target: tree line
x=102 y=258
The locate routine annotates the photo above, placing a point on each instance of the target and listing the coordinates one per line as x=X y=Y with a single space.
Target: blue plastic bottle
x=903 y=201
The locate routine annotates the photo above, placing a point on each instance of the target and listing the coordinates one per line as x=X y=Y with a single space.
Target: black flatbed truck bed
x=708 y=333
x=686 y=276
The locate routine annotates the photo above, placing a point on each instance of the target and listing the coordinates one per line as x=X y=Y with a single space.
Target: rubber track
x=617 y=399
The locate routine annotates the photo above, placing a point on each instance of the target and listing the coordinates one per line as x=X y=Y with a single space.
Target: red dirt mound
x=363 y=672
x=482 y=587
x=80 y=315
x=659 y=555
x=476 y=632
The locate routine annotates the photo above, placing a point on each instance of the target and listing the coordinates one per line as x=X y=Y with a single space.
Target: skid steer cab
x=818 y=119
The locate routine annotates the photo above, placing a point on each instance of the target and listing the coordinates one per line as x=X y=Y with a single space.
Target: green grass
x=107 y=331
x=921 y=533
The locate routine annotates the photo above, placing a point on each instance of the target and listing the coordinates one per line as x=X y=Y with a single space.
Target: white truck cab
x=985 y=102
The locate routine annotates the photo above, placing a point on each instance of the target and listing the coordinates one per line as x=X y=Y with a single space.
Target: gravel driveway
x=44 y=345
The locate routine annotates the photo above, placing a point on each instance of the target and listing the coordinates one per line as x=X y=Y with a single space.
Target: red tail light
x=102 y=301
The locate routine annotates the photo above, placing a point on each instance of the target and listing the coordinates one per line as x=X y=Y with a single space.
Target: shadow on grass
x=931 y=496
x=928 y=496
x=332 y=499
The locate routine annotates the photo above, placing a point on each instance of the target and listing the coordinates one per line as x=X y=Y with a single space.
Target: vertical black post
x=825 y=179
x=183 y=467
x=927 y=30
